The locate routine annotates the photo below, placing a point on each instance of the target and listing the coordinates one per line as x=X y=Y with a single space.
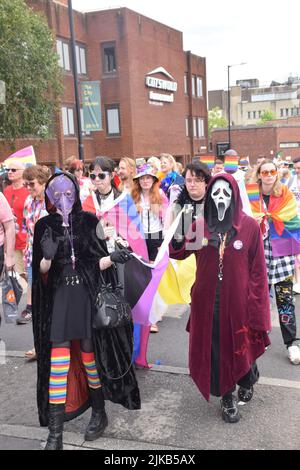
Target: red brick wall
x=256 y=141
x=142 y=45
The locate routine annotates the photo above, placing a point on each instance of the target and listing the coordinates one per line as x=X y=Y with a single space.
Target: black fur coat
x=113 y=348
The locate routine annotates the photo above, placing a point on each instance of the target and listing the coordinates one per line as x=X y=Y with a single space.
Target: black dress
x=71 y=314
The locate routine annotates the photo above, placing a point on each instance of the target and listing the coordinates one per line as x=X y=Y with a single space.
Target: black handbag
x=111 y=308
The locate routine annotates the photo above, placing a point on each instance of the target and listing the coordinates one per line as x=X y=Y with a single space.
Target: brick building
x=153 y=93
x=277 y=136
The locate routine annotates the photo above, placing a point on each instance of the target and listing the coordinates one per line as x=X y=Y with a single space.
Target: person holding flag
x=276 y=213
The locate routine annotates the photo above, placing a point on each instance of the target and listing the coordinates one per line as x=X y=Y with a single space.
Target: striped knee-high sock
x=60 y=364
x=88 y=360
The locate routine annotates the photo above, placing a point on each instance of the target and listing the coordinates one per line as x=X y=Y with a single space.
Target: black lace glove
x=49 y=244
x=120 y=256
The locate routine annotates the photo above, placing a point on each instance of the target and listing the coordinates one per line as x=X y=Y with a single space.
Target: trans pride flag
x=283 y=220
x=124 y=216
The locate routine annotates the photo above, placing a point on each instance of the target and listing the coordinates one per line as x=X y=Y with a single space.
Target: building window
x=259 y=114
x=195 y=127
x=199 y=87
x=281 y=112
x=68 y=120
x=201 y=133
x=185 y=84
x=62 y=48
x=194 y=79
x=249 y=114
x=81 y=59
x=286 y=111
x=187 y=127
x=113 y=120
x=109 y=57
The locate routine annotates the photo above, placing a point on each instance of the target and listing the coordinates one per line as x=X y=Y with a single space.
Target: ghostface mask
x=221 y=194
x=62 y=194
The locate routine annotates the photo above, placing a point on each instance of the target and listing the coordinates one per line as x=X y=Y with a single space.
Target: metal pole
x=228 y=96
x=75 y=77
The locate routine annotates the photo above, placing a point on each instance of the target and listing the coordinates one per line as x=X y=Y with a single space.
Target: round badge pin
x=204 y=242
x=238 y=245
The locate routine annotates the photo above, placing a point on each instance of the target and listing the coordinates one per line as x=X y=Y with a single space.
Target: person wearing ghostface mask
x=230 y=311
x=67 y=259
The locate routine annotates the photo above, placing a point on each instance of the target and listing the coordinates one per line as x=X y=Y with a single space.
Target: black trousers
x=286 y=310
x=248 y=380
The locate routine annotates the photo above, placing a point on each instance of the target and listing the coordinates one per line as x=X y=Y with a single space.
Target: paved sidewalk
x=173 y=416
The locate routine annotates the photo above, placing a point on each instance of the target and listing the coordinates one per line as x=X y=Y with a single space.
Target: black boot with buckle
x=56 y=425
x=98 y=421
x=230 y=412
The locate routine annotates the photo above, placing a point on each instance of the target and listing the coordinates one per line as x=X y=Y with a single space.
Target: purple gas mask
x=62 y=194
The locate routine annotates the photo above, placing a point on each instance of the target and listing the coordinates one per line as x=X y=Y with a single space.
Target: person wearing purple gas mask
x=67 y=259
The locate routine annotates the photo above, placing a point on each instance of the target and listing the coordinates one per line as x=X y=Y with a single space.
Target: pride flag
x=231 y=163
x=253 y=192
x=124 y=216
x=26 y=156
x=141 y=283
x=283 y=220
x=208 y=160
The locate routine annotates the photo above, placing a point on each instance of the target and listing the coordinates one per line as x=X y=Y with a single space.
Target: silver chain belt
x=73 y=280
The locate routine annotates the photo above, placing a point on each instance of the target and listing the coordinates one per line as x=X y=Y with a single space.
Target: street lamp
x=75 y=78
x=228 y=96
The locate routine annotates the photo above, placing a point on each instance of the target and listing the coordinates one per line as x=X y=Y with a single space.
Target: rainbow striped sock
x=88 y=360
x=60 y=364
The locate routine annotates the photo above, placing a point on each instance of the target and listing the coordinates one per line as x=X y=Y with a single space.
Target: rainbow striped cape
x=284 y=222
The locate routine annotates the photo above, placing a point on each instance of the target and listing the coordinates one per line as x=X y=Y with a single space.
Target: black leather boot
x=98 y=421
x=230 y=412
x=56 y=424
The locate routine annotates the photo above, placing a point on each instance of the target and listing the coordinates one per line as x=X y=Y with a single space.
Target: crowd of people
x=244 y=249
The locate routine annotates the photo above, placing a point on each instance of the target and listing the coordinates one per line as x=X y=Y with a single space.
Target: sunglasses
x=268 y=172
x=29 y=184
x=101 y=176
x=13 y=170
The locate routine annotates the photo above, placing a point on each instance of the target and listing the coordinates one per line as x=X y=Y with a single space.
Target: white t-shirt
x=151 y=221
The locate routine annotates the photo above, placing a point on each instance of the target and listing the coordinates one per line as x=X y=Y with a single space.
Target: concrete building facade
x=248 y=102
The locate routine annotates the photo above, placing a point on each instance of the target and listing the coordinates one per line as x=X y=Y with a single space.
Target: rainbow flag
x=284 y=222
x=26 y=156
x=208 y=160
x=231 y=164
x=253 y=192
x=124 y=216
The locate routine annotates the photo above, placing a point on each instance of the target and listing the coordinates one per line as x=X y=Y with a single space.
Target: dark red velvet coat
x=244 y=315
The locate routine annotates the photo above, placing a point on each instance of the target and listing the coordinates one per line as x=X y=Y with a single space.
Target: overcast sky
x=263 y=33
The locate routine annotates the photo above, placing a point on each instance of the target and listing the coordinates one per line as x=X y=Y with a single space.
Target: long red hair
x=156 y=198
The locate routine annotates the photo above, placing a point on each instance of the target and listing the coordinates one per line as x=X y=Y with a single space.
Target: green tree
x=29 y=67
x=267 y=115
x=215 y=119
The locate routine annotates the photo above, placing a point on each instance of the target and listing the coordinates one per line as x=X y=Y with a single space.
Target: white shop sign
x=160 y=97
x=160 y=84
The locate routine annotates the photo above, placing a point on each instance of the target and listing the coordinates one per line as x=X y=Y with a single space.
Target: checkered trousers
x=278 y=268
